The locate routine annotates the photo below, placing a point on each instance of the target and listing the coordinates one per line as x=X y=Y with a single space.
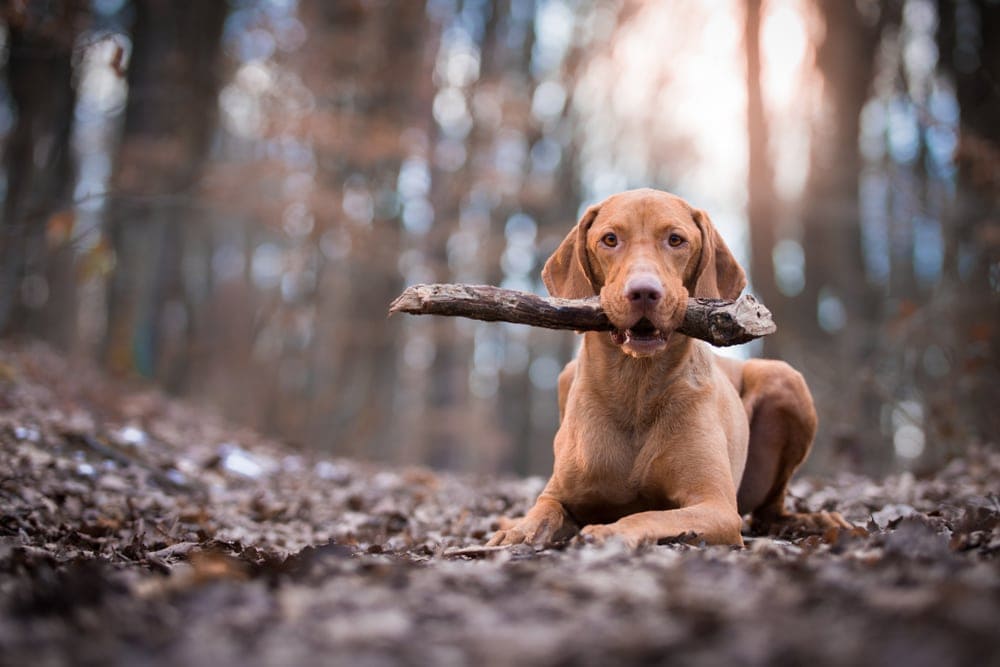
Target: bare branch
x=719 y=322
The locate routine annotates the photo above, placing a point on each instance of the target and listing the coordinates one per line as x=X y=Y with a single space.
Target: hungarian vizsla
x=660 y=438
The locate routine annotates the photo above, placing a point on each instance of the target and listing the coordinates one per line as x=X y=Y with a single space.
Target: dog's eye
x=675 y=240
x=610 y=240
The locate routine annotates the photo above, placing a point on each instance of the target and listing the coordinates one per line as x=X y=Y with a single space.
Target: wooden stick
x=718 y=322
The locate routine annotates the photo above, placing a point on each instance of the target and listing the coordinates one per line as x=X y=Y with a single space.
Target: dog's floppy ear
x=718 y=275
x=567 y=273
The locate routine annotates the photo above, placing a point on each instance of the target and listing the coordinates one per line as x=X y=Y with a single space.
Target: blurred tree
x=173 y=81
x=446 y=396
x=836 y=309
x=36 y=268
x=968 y=39
x=845 y=58
x=762 y=202
x=373 y=89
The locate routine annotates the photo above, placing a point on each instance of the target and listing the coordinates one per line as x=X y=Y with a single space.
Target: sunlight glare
x=663 y=76
x=783 y=43
x=788 y=89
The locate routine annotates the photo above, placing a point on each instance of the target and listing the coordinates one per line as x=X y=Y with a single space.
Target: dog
x=659 y=438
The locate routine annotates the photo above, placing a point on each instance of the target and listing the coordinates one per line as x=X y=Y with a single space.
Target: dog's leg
x=708 y=522
x=546 y=522
x=782 y=427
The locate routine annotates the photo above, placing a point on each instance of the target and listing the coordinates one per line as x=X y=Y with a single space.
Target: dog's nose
x=643 y=290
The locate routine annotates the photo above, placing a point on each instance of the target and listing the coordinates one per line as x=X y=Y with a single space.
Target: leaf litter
x=135 y=529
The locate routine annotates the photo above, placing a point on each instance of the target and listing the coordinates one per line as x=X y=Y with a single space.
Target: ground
x=137 y=530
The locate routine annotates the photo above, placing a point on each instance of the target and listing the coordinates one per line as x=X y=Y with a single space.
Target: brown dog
x=660 y=438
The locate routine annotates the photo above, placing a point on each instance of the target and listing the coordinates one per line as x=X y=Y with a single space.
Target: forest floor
x=136 y=530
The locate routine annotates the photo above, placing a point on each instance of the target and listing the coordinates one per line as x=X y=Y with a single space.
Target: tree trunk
x=169 y=121
x=762 y=203
x=835 y=270
x=36 y=279
x=969 y=46
x=376 y=55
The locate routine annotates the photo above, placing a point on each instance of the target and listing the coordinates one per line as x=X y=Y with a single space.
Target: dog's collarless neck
x=605 y=361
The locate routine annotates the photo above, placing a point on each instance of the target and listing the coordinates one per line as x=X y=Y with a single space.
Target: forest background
x=223 y=198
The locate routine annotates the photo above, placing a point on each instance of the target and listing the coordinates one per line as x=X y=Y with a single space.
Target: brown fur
x=660 y=438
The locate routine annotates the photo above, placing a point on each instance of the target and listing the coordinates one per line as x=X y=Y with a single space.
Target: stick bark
x=718 y=322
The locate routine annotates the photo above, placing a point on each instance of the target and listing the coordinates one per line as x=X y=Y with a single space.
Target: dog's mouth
x=643 y=335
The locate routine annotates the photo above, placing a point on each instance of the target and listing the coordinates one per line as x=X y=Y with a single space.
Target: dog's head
x=644 y=252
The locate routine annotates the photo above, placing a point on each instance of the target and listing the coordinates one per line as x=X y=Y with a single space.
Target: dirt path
x=134 y=530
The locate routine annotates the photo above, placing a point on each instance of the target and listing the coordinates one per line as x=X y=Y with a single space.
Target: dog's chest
x=611 y=476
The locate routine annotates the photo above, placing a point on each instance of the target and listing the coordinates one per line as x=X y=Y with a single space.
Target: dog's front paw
x=544 y=524
x=522 y=532
x=508 y=536
x=600 y=533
